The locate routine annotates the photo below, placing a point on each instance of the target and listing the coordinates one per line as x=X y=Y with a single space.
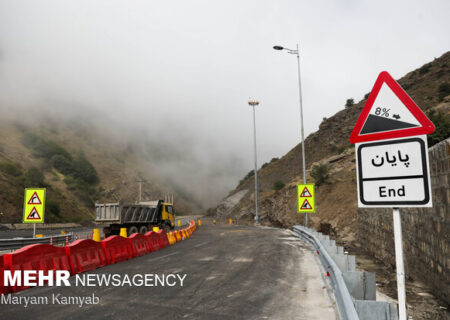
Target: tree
x=62 y=164
x=84 y=170
x=34 y=178
x=350 y=102
x=278 y=185
x=443 y=90
x=320 y=174
x=442 y=124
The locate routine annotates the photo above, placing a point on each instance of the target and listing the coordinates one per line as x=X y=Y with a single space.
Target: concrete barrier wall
x=426 y=241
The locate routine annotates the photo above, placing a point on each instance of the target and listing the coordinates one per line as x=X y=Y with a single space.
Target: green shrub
x=248 y=175
x=53 y=207
x=320 y=174
x=79 y=168
x=62 y=164
x=34 y=178
x=337 y=149
x=11 y=169
x=43 y=148
x=442 y=123
x=424 y=69
x=443 y=90
x=84 y=170
x=349 y=103
x=278 y=185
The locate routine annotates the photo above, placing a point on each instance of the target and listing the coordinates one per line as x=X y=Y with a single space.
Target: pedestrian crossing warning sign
x=306 y=200
x=34 y=205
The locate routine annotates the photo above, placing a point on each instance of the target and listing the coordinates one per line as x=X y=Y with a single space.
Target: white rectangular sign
x=393 y=173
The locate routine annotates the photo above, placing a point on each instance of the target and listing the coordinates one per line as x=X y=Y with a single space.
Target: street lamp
x=254 y=103
x=296 y=52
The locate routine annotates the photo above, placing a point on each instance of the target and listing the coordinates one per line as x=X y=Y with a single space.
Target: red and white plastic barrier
x=85 y=255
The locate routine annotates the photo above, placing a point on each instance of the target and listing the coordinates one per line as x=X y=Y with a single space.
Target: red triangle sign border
x=33 y=210
x=29 y=201
x=306 y=201
x=303 y=192
x=426 y=127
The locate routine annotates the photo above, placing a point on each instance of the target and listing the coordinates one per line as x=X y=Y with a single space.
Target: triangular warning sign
x=306 y=205
x=34 y=215
x=305 y=193
x=389 y=113
x=34 y=199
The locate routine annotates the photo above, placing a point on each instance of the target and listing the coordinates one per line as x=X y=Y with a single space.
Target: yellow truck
x=137 y=218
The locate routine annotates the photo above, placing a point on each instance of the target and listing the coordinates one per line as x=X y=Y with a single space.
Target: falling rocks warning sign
x=34 y=205
x=305 y=198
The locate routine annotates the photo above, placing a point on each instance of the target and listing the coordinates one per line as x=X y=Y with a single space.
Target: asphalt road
x=232 y=272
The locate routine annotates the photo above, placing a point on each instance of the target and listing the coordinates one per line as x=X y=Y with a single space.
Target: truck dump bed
x=147 y=212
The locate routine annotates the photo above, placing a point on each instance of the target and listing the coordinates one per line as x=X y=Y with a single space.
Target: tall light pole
x=254 y=103
x=140 y=188
x=296 y=52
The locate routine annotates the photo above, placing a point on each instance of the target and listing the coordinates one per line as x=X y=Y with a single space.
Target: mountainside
x=428 y=86
x=80 y=161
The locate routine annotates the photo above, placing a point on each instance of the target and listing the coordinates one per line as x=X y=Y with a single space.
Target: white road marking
x=243 y=260
x=201 y=244
x=165 y=256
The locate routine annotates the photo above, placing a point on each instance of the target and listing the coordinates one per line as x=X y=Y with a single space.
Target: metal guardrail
x=12 y=244
x=344 y=300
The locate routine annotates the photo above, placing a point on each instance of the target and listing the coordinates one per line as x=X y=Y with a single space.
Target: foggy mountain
x=336 y=202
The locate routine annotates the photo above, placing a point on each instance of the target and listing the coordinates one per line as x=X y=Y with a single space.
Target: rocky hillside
x=79 y=160
x=429 y=87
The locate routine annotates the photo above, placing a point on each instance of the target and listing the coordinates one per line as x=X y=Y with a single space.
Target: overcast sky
x=190 y=66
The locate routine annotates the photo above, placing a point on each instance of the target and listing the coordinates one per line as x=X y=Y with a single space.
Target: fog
x=181 y=72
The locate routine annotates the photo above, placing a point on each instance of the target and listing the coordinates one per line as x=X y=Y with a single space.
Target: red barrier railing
x=3 y=289
x=117 y=249
x=85 y=255
x=139 y=244
x=153 y=240
x=36 y=257
x=163 y=241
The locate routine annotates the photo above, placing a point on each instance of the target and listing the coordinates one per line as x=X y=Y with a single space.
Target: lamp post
x=254 y=103
x=296 y=52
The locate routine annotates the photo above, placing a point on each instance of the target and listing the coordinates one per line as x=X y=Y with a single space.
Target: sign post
x=392 y=160
x=34 y=207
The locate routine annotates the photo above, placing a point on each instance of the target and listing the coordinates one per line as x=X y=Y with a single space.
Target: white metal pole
x=256 y=166
x=399 y=264
x=34 y=230
x=302 y=128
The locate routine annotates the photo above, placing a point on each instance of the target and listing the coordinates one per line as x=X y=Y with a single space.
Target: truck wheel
x=132 y=230
x=143 y=230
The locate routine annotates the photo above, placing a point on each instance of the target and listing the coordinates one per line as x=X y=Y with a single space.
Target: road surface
x=232 y=272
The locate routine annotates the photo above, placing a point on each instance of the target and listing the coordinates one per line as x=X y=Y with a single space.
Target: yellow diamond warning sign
x=306 y=200
x=34 y=205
